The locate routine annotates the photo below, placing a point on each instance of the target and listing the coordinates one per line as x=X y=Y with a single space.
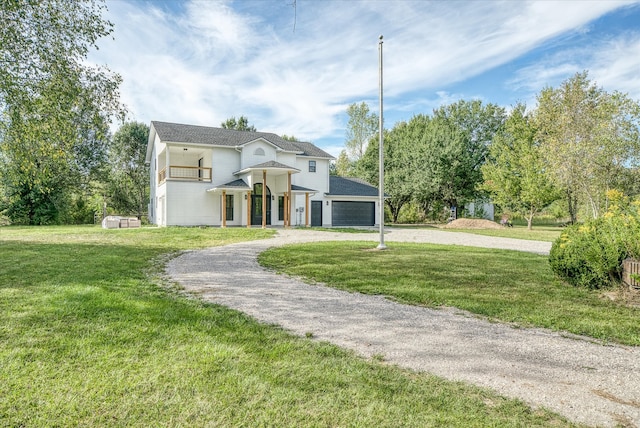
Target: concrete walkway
x=587 y=382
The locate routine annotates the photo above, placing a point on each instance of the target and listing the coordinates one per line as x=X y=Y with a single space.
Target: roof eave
x=150 y=144
x=333 y=195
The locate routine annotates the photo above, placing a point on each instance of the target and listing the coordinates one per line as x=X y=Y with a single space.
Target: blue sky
x=201 y=62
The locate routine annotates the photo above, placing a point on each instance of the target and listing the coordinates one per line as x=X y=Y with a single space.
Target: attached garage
x=354 y=202
x=351 y=213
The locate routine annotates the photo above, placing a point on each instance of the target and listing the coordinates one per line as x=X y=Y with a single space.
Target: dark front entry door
x=316 y=213
x=256 y=205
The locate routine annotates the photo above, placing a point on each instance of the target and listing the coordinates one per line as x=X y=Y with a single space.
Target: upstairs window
x=259 y=151
x=312 y=166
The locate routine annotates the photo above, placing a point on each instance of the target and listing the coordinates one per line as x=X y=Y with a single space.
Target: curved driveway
x=587 y=382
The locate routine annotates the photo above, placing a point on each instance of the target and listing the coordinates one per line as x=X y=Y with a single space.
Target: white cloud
x=202 y=62
x=214 y=30
x=613 y=64
x=616 y=66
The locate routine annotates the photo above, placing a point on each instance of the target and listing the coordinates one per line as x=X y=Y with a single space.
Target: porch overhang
x=235 y=185
x=272 y=167
x=302 y=190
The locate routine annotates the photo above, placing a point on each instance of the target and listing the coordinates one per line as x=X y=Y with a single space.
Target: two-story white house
x=219 y=177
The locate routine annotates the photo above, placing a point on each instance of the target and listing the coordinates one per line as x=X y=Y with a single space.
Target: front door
x=256 y=205
x=316 y=213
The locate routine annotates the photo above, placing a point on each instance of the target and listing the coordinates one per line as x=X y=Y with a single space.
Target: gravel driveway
x=587 y=382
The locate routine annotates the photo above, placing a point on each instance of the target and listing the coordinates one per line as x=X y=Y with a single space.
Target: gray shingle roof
x=273 y=164
x=301 y=189
x=311 y=150
x=348 y=186
x=194 y=134
x=232 y=185
x=240 y=183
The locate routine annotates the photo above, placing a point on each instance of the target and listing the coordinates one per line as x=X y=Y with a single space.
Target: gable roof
x=350 y=186
x=270 y=165
x=238 y=184
x=295 y=188
x=194 y=134
x=312 y=150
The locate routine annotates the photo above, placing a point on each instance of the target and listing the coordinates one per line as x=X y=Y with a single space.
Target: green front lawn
x=507 y=286
x=538 y=233
x=90 y=337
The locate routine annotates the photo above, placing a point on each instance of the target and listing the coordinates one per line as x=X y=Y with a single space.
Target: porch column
x=288 y=198
x=284 y=208
x=224 y=208
x=249 y=209
x=264 y=198
x=306 y=209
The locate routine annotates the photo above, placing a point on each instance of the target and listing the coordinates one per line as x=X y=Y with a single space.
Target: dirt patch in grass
x=623 y=295
x=472 y=223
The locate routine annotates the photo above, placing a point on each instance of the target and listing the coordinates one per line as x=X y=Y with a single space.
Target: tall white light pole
x=381 y=245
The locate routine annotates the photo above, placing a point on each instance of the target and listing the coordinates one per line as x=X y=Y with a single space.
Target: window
x=312 y=166
x=259 y=151
x=280 y=207
x=200 y=165
x=229 y=207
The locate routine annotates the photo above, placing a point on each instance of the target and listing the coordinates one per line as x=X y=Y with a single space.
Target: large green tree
x=241 y=124
x=435 y=160
x=55 y=109
x=397 y=175
x=454 y=148
x=343 y=166
x=515 y=173
x=362 y=125
x=589 y=138
x=129 y=184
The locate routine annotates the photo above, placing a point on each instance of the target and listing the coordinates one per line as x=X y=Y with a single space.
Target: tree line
x=579 y=142
x=58 y=161
x=60 y=164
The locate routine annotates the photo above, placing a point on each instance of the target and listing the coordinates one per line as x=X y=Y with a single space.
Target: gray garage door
x=353 y=213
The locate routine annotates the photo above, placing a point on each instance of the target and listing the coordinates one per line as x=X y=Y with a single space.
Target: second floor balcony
x=184 y=173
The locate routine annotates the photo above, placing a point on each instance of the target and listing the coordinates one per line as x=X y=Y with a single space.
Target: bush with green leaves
x=591 y=254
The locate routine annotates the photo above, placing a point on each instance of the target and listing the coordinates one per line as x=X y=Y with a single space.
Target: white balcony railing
x=186 y=173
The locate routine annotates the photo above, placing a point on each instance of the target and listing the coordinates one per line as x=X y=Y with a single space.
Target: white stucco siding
x=280 y=186
x=272 y=184
x=256 y=153
x=159 y=153
x=153 y=177
x=288 y=159
x=318 y=180
x=326 y=214
x=225 y=163
x=248 y=178
x=159 y=201
x=189 y=204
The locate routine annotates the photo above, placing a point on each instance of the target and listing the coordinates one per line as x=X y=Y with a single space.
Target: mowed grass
x=507 y=286
x=538 y=233
x=91 y=337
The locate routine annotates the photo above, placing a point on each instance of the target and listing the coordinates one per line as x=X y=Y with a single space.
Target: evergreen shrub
x=591 y=254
